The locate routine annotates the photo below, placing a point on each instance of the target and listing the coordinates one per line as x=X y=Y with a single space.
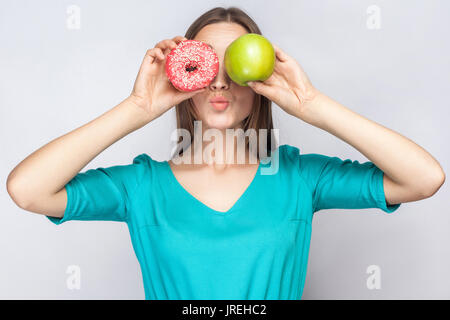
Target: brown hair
x=260 y=116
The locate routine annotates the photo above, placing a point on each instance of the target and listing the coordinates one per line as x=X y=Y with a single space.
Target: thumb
x=193 y=93
x=258 y=86
x=187 y=95
x=262 y=88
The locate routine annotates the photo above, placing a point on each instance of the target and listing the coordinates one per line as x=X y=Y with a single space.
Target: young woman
x=222 y=231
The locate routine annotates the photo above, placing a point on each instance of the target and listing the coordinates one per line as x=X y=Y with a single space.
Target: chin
x=220 y=122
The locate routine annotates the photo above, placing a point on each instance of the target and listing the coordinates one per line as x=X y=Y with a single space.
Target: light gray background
x=54 y=80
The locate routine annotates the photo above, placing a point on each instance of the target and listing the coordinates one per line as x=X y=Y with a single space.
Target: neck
x=220 y=148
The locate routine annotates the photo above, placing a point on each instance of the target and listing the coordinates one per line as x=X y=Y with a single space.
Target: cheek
x=246 y=101
x=245 y=109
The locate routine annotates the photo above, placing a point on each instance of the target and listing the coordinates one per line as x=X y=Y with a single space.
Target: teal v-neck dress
x=256 y=250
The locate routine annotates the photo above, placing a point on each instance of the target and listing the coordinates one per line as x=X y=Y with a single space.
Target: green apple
x=250 y=57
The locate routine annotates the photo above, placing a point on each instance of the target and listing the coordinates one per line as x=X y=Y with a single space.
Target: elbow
x=16 y=192
x=435 y=184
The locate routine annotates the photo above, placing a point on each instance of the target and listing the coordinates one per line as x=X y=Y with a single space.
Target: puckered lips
x=220 y=103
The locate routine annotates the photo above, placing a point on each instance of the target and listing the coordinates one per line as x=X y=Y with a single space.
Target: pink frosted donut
x=192 y=65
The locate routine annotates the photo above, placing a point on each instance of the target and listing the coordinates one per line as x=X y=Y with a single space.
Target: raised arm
x=37 y=183
x=410 y=173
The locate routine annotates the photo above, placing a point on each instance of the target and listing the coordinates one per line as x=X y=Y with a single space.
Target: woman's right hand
x=152 y=90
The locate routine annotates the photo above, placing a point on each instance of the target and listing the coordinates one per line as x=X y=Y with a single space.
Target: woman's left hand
x=288 y=86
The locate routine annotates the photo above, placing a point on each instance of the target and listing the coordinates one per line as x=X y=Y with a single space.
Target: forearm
x=48 y=169
x=401 y=159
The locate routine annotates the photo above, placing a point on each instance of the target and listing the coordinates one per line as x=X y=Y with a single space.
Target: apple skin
x=250 y=57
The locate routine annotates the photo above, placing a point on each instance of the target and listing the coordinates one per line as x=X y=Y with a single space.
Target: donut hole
x=191 y=66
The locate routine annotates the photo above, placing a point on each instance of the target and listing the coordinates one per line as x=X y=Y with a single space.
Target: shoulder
x=144 y=160
x=306 y=165
x=288 y=158
x=304 y=161
x=294 y=156
x=148 y=169
x=143 y=164
x=288 y=151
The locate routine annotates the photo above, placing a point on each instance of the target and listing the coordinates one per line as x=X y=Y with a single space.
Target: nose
x=221 y=81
